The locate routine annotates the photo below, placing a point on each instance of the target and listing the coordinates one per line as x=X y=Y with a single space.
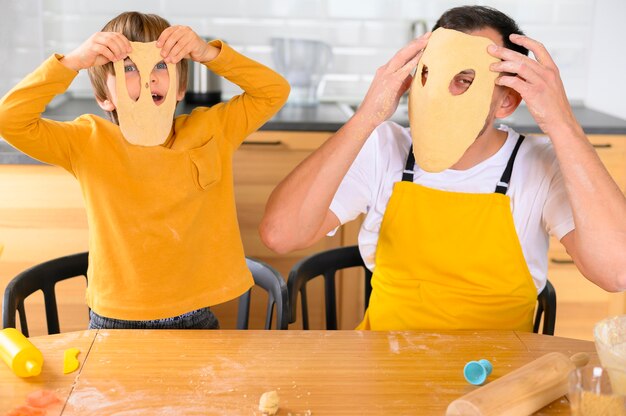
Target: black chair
x=42 y=277
x=46 y=275
x=328 y=262
x=546 y=306
x=325 y=264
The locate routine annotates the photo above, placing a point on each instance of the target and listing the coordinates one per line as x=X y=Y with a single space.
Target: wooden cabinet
x=580 y=303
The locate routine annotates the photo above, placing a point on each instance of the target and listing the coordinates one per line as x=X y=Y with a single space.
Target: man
x=446 y=250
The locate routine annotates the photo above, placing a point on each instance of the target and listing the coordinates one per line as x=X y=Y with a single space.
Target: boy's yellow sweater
x=164 y=237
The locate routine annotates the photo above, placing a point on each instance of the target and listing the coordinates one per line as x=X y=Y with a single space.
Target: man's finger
x=541 y=53
x=407 y=53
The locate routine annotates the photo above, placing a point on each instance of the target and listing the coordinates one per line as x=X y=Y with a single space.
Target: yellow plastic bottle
x=22 y=357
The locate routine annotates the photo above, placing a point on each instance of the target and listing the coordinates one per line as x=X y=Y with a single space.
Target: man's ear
x=106 y=105
x=508 y=103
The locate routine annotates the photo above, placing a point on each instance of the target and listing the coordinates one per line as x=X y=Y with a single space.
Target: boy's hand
x=178 y=42
x=99 y=49
x=391 y=81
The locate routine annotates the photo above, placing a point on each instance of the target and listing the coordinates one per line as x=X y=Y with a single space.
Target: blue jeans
x=198 y=319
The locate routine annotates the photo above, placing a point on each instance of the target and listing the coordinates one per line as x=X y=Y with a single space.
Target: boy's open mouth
x=158 y=99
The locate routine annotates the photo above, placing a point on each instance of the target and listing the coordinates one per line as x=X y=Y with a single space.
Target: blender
x=303 y=63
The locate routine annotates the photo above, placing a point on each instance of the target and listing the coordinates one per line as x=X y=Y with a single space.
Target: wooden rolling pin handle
x=522 y=391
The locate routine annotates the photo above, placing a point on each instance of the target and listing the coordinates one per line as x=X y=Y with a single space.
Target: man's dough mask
x=143 y=122
x=443 y=125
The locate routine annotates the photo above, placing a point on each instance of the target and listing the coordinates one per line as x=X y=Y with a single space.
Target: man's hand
x=391 y=81
x=537 y=81
x=178 y=42
x=99 y=49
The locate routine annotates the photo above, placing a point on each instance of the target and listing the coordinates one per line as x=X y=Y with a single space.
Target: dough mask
x=143 y=122
x=443 y=125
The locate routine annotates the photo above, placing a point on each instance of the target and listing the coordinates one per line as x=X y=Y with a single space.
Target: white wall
x=364 y=33
x=21 y=40
x=606 y=85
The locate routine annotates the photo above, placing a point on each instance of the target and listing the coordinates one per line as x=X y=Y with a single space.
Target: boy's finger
x=164 y=36
x=119 y=45
x=182 y=50
x=105 y=51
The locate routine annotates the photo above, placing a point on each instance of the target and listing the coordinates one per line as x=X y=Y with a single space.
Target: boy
x=465 y=247
x=164 y=240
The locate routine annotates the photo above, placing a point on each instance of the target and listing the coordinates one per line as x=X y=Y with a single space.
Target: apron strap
x=407 y=174
x=503 y=185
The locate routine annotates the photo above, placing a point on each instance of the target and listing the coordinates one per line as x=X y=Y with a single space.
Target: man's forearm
x=598 y=206
x=296 y=209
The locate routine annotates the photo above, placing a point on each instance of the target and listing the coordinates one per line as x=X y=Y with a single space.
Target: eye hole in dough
x=461 y=82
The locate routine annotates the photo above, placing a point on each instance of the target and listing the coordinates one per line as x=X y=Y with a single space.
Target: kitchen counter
x=324 y=117
x=592 y=121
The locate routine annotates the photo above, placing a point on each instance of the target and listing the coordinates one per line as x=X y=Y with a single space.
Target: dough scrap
x=269 y=402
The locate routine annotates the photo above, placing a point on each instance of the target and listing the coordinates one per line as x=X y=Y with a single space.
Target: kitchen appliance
x=303 y=62
x=204 y=87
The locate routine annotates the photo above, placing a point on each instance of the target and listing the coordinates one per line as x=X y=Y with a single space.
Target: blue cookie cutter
x=476 y=372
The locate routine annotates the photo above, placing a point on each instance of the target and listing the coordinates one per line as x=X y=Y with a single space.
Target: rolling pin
x=522 y=391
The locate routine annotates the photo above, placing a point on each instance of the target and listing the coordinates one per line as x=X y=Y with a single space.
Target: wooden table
x=225 y=372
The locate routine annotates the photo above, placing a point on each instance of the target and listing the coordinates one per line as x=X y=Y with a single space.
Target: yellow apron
x=449 y=260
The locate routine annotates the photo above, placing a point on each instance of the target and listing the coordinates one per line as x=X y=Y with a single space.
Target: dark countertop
x=592 y=121
x=324 y=117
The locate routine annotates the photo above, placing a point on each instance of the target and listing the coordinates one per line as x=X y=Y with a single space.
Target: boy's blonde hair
x=137 y=27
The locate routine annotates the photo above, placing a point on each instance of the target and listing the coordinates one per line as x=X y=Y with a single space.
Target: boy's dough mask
x=143 y=122
x=443 y=125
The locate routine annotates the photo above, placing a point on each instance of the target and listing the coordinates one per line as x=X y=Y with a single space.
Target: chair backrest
x=546 y=306
x=46 y=275
x=42 y=277
x=268 y=278
x=328 y=262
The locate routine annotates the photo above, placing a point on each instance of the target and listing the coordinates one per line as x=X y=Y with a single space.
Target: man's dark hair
x=469 y=18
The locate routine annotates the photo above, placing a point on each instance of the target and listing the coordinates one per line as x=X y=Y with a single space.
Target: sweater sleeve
x=21 y=123
x=264 y=93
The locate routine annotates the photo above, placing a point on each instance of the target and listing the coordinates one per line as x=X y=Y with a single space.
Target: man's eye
x=161 y=65
x=129 y=68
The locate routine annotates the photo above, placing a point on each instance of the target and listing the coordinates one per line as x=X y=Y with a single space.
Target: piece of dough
x=143 y=122
x=443 y=125
x=269 y=402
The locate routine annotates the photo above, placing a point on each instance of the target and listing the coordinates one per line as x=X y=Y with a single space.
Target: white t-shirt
x=538 y=198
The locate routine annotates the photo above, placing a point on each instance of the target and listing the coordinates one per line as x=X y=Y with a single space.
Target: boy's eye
x=161 y=65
